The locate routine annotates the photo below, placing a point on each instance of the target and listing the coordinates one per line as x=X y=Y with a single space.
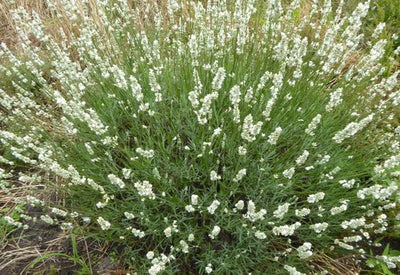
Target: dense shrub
x=219 y=136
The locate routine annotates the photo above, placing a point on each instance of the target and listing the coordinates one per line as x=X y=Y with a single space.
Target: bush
x=201 y=137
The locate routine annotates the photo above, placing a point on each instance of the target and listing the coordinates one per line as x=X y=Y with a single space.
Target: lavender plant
x=205 y=136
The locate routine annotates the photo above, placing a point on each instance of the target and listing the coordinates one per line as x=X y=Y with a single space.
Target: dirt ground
x=40 y=239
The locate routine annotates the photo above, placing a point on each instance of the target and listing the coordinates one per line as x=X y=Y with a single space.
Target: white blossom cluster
x=145 y=153
x=353 y=223
x=252 y=214
x=335 y=99
x=273 y=137
x=302 y=158
x=145 y=189
x=240 y=175
x=213 y=206
x=339 y=209
x=281 y=211
x=304 y=251
x=292 y=270
x=313 y=125
x=159 y=263
x=104 y=224
x=250 y=130
x=314 y=198
x=319 y=227
x=377 y=191
x=351 y=129
x=116 y=181
x=286 y=230
x=215 y=231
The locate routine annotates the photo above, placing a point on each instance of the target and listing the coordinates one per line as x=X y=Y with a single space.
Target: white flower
x=189 y=208
x=205 y=111
x=288 y=173
x=158 y=265
x=194 y=199
x=239 y=176
x=129 y=216
x=145 y=153
x=144 y=188
x=218 y=79
x=242 y=150
x=100 y=204
x=234 y=95
x=47 y=219
x=304 y=251
x=59 y=212
x=89 y=148
x=260 y=235
x=137 y=233
x=378 y=192
x=302 y=158
x=325 y=159
x=285 y=230
x=191 y=237
x=185 y=246
x=347 y=183
x=313 y=198
x=250 y=130
x=215 y=232
x=214 y=176
x=66 y=226
x=217 y=131
x=313 y=125
x=209 y=269
x=95 y=186
x=355 y=239
x=352 y=128
x=353 y=223
x=168 y=232
x=319 y=227
x=336 y=99
x=239 y=205
x=343 y=245
x=13 y=222
x=126 y=173
x=292 y=270
x=116 y=181
x=150 y=255
x=273 y=137
x=252 y=215
x=105 y=225
x=302 y=212
x=281 y=211
x=339 y=209
x=214 y=205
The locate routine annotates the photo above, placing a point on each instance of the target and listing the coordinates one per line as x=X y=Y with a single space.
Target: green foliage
x=7 y=230
x=380 y=264
x=78 y=260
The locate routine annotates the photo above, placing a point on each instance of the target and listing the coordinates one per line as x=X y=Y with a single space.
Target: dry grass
x=52 y=23
x=7 y=27
x=17 y=255
x=55 y=23
x=344 y=266
x=19 y=248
